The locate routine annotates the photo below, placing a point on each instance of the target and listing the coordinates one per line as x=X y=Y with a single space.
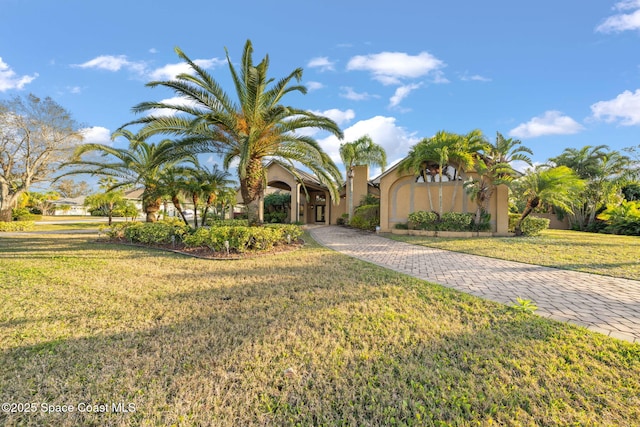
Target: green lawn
x=609 y=255
x=309 y=337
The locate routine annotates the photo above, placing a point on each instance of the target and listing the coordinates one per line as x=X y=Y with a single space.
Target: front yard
x=309 y=337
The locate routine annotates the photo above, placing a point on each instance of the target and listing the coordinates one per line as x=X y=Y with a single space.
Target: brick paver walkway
x=603 y=304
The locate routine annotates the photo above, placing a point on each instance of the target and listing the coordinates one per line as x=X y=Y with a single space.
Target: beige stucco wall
x=401 y=195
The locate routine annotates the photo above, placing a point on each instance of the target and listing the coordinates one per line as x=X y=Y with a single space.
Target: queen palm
x=558 y=186
x=141 y=163
x=246 y=132
x=362 y=151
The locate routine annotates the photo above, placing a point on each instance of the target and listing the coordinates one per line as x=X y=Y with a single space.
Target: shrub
x=242 y=238
x=622 y=219
x=402 y=226
x=531 y=226
x=17 y=226
x=344 y=218
x=366 y=217
x=455 y=221
x=161 y=232
x=423 y=220
x=228 y=223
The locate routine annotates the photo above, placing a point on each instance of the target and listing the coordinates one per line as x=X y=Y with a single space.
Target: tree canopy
x=36 y=136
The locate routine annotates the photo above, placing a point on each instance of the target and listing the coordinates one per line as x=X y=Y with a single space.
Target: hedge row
x=449 y=221
x=241 y=238
x=17 y=226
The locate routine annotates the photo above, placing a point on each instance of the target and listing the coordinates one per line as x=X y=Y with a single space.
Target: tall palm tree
x=493 y=167
x=246 y=132
x=558 y=186
x=141 y=163
x=362 y=151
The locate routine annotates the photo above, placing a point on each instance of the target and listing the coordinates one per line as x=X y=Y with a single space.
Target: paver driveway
x=603 y=304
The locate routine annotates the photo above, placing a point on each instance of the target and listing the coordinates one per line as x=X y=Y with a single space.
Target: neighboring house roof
x=135 y=194
x=69 y=201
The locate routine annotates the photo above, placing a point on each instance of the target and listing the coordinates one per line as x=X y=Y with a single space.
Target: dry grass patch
x=605 y=254
x=309 y=337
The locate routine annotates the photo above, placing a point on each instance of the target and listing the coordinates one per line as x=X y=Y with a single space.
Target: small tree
x=36 y=136
x=558 y=186
x=362 y=151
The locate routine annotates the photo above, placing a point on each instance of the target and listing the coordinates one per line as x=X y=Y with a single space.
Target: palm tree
x=431 y=156
x=213 y=181
x=602 y=169
x=248 y=131
x=494 y=166
x=558 y=186
x=362 y=151
x=170 y=184
x=141 y=163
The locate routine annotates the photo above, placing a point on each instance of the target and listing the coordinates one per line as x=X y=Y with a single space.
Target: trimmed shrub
x=455 y=221
x=423 y=220
x=228 y=223
x=17 y=226
x=531 y=226
x=243 y=238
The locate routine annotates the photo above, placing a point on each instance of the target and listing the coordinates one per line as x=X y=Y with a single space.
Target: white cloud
x=550 y=123
x=111 y=63
x=311 y=86
x=9 y=79
x=474 y=78
x=625 y=107
x=321 y=62
x=401 y=93
x=167 y=112
x=96 y=135
x=622 y=21
x=349 y=93
x=339 y=116
x=170 y=71
x=383 y=131
x=391 y=67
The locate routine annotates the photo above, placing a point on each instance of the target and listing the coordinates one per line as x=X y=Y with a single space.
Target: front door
x=320 y=213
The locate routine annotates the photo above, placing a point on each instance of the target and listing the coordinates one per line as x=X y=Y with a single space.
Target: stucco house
x=400 y=194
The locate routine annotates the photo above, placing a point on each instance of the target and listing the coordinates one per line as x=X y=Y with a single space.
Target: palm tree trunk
x=178 y=206
x=195 y=199
x=252 y=190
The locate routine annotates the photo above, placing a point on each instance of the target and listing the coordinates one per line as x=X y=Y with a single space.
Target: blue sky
x=554 y=74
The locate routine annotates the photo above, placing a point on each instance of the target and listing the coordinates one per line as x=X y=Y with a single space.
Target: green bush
x=243 y=238
x=275 y=217
x=455 y=221
x=228 y=223
x=622 y=219
x=423 y=220
x=17 y=226
x=531 y=226
x=162 y=232
x=366 y=217
x=344 y=218
x=402 y=226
